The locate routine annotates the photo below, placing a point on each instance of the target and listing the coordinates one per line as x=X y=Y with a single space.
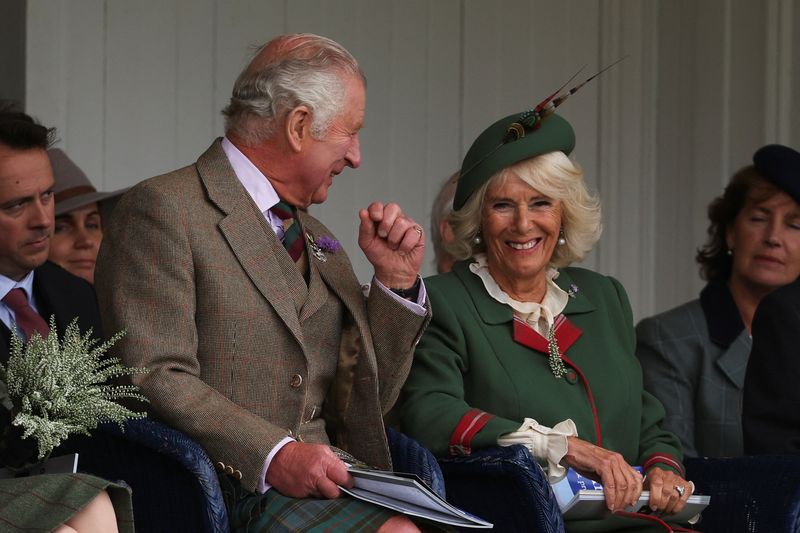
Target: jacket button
x=220 y=466
x=296 y=381
x=237 y=474
x=229 y=470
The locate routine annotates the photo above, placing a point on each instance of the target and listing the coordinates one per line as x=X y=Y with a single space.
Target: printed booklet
x=407 y=494
x=580 y=497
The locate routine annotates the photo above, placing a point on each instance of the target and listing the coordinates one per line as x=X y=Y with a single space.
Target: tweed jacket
x=467 y=359
x=694 y=359
x=59 y=293
x=771 y=412
x=190 y=269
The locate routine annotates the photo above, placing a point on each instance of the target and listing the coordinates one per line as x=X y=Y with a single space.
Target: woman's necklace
x=556 y=363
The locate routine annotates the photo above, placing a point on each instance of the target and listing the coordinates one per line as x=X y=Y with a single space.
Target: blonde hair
x=554 y=175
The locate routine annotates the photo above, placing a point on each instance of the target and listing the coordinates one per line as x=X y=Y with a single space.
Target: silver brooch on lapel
x=321 y=245
x=573 y=291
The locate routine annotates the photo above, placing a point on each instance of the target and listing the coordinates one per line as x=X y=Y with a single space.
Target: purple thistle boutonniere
x=321 y=245
x=328 y=244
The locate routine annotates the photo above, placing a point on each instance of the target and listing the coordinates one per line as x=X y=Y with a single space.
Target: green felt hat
x=506 y=142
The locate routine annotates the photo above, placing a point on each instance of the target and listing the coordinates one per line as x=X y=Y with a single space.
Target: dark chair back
x=173 y=482
x=756 y=494
x=505 y=486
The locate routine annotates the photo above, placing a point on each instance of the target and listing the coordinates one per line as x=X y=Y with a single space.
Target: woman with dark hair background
x=694 y=356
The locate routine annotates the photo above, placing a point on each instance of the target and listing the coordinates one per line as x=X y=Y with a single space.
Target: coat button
x=296 y=381
x=237 y=474
x=229 y=470
x=220 y=466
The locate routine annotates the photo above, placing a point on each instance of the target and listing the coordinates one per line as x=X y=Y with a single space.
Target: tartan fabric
x=292 y=233
x=42 y=503
x=272 y=512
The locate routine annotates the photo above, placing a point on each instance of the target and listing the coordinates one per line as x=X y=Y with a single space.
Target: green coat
x=467 y=359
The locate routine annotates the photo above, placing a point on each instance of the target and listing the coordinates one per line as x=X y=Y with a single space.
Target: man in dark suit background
x=26 y=225
x=771 y=411
x=771 y=402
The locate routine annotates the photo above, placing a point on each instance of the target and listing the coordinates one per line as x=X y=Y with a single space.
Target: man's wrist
x=409 y=293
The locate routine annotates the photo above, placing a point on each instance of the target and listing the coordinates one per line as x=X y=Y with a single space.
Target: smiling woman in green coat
x=522 y=349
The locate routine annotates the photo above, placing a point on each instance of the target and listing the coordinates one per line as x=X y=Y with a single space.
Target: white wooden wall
x=135 y=89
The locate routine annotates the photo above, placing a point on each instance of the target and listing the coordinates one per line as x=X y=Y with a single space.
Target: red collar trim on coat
x=566 y=334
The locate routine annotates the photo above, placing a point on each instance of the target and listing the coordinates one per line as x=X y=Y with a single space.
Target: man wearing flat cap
x=31 y=288
x=771 y=410
x=260 y=342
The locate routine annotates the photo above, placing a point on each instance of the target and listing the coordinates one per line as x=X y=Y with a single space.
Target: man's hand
x=663 y=494
x=393 y=243
x=301 y=470
x=622 y=485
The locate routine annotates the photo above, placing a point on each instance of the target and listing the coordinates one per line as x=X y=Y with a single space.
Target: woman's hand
x=622 y=485
x=664 y=494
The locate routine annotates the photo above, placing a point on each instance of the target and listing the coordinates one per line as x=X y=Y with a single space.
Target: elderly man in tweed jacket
x=259 y=340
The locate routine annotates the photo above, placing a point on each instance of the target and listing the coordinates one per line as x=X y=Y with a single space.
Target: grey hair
x=309 y=70
x=441 y=210
x=554 y=175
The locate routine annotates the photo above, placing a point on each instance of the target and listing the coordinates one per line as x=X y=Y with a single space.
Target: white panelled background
x=135 y=89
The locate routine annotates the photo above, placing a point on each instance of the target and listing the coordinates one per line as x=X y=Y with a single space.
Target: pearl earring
x=729 y=252
x=562 y=240
x=477 y=239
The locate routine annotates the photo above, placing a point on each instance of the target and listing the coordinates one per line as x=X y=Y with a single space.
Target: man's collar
x=253 y=180
x=26 y=283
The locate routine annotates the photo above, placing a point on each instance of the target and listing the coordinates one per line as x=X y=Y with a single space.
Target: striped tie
x=292 y=233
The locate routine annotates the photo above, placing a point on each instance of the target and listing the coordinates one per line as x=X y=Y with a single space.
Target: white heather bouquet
x=56 y=388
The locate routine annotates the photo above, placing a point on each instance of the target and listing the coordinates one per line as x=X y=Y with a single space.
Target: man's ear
x=298 y=127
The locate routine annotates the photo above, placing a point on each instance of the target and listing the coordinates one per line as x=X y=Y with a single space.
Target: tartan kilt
x=272 y=512
x=44 y=502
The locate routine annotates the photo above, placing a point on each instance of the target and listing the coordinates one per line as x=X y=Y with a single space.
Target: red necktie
x=28 y=320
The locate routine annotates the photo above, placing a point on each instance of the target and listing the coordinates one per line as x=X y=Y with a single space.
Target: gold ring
x=418 y=230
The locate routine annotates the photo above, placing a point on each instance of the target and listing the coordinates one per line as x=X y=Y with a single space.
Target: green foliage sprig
x=57 y=388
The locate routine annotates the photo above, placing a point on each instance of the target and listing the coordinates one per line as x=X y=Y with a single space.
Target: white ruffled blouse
x=548 y=445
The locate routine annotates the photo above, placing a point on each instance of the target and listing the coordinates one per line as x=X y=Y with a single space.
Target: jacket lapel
x=494 y=312
x=334 y=271
x=566 y=334
x=733 y=361
x=5 y=343
x=251 y=239
x=44 y=289
x=726 y=331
